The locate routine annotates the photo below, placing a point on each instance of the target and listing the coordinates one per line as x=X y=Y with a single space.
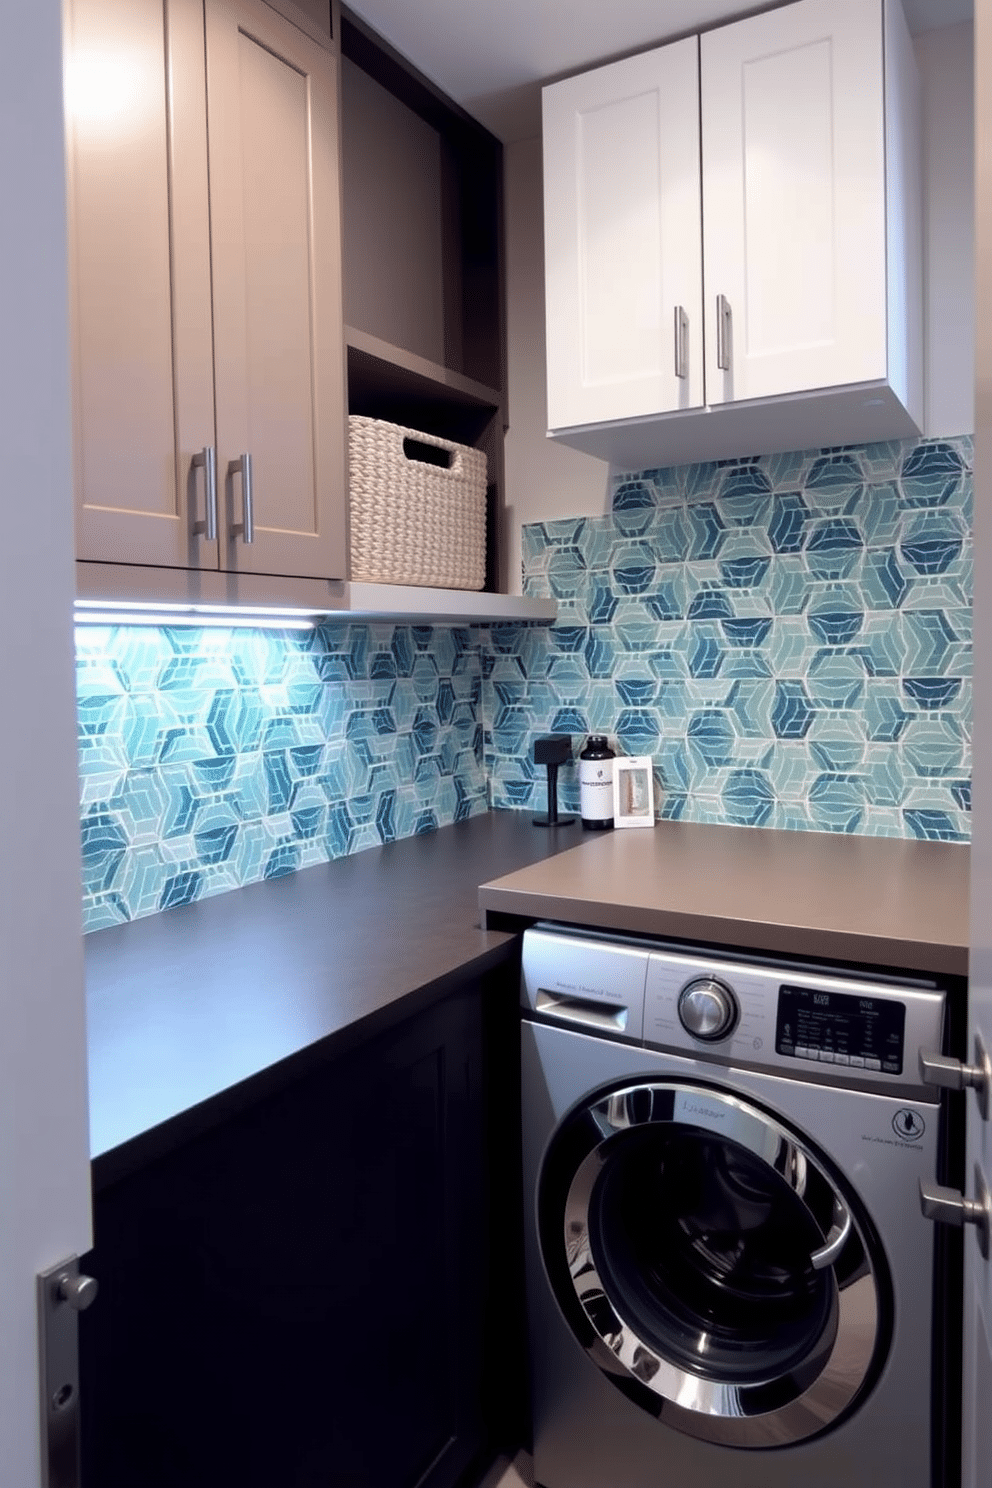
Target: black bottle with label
x=596 y=783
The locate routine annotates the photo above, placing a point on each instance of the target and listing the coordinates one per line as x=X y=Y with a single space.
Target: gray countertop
x=882 y=901
x=184 y=1005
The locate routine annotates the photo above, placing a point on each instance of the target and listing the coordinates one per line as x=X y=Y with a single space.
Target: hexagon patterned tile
x=789 y=637
x=211 y=758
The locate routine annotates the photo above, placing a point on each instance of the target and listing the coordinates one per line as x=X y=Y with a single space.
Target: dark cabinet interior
x=422 y=187
x=319 y=1289
x=422 y=258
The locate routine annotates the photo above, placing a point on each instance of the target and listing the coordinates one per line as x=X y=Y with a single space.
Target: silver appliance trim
x=575 y=977
x=649 y=979
x=770 y=1410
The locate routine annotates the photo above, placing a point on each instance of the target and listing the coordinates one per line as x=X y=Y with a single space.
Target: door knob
x=947 y=1206
x=79 y=1291
x=954 y=1074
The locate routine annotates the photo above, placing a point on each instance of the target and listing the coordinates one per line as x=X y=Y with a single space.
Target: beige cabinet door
x=622 y=237
x=139 y=279
x=275 y=252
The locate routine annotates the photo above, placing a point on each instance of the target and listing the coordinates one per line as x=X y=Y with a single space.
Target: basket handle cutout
x=429 y=454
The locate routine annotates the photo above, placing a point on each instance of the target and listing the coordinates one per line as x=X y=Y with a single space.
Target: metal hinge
x=62 y=1294
x=948 y=1206
x=954 y=1074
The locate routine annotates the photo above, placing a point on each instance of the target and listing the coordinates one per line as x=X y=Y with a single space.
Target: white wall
x=977 y=1404
x=44 y=1137
x=945 y=59
x=545 y=480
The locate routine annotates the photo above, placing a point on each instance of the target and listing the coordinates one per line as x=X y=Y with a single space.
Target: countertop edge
x=770 y=937
x=200 y=1003
x=191 y=1006
x=114 y=1163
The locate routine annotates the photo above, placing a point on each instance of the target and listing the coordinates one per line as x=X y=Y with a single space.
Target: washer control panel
x=831 y=1027
x=824 y=1025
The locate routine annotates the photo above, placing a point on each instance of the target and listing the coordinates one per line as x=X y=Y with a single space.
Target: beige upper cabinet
x=278 y=337
x=140 y=278
x=207 y=323
x=809 y=285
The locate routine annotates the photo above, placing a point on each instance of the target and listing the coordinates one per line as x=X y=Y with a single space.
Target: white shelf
x=444 y=606
x=116 y=584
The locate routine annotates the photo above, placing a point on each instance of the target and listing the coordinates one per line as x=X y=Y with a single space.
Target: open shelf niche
x=423 y=264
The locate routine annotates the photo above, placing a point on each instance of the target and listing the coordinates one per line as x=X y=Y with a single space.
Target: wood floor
x=515 y=1474
x=512 y=1477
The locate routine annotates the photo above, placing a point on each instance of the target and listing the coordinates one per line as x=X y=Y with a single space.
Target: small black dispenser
x=553 y=750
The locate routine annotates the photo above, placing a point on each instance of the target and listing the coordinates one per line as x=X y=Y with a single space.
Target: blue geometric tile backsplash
x=213 y=758
x=789 y=637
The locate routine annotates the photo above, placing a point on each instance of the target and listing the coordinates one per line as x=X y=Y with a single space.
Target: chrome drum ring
x=781 y=1391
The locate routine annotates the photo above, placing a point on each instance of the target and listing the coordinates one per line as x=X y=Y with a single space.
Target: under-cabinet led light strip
x=241 y=617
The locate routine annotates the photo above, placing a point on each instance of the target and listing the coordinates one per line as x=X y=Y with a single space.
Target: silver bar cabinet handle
x=245 y=528
x=681 y=333
x=723 y=333
x=208 y=459
x=947 y=1206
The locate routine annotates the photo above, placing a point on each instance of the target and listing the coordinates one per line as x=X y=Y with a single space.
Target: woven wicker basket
x=413 y=522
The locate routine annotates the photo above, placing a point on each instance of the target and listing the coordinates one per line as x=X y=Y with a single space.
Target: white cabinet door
x=622 y=239
x=976 y=1424
x=44 y=1136
x=794 y=200
x=976 y=1443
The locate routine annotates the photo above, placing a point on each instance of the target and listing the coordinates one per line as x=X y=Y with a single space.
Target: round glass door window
x=712 y=1264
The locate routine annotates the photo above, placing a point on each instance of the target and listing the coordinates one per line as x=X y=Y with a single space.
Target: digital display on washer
x=836 y=1028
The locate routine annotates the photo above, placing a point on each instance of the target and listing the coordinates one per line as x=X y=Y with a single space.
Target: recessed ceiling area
x=492 y=58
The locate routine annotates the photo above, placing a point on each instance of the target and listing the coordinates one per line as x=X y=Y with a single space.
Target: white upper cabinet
x=793 y=112
x=622 y=235
x=807 y=187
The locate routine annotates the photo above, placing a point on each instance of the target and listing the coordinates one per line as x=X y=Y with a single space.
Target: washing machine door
x=712 y=1264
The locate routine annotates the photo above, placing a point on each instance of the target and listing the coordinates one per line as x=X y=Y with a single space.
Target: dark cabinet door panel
x=299 y=1295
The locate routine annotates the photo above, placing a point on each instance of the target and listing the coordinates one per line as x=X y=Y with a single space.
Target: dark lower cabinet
x=317 y=1290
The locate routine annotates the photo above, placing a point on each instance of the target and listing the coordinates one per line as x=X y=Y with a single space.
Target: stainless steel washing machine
x=729 y=1276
